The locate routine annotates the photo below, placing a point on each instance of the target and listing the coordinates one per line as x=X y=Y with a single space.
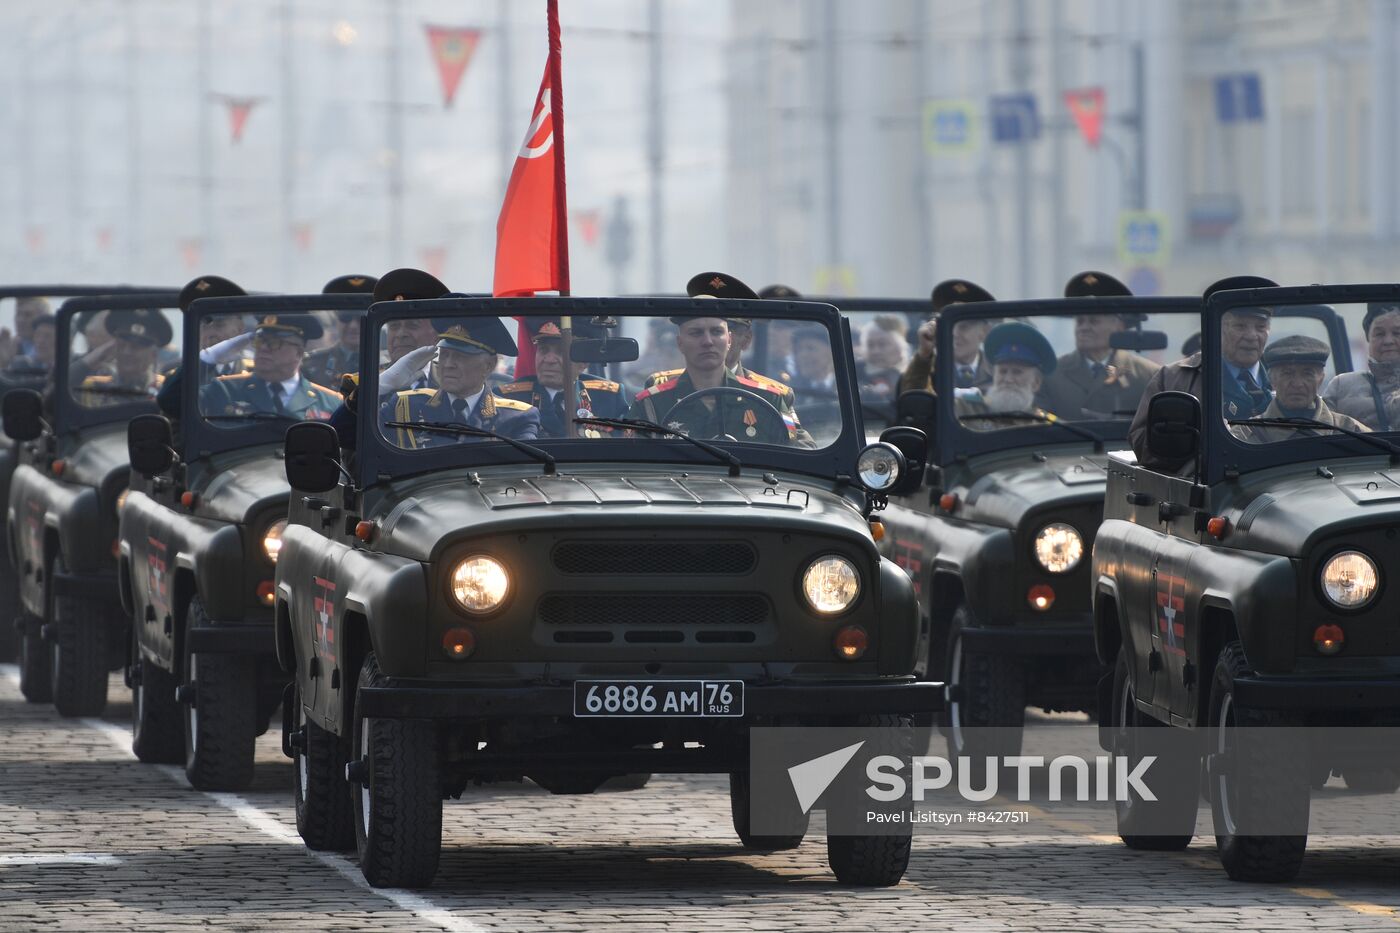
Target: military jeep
x=465 y=601
x=998 y=542
x=67 y=490
x=200 y=535
x=1240 y=580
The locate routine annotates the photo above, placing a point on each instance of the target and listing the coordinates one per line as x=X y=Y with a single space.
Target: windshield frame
x=198 y=437
x=379 y=461
x=1223 y=455
x=69 y=416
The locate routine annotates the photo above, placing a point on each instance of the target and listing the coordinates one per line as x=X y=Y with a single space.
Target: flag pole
x=561 y=212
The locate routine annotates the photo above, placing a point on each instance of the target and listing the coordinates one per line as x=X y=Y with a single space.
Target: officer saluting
x=221 y=343
x=276 y=384
x=468 y=350
x=127 y=362
x=970 y=364
x=327 y=365
x=596 y=397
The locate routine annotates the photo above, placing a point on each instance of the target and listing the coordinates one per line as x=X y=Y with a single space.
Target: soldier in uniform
x=221 y=340
x=595 y=396
x=468 y=350
x=1096 y=381
x=326 y=366
x=972 y=369
x=37 y=364
x=1297 y=366
x=1021 y=359
x=276 y=384
x=123 y=368
x=704 y=343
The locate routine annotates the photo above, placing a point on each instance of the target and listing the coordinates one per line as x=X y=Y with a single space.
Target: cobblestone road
x=91 y=840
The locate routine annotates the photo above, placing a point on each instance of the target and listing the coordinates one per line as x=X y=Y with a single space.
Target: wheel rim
x=955 y=726
x=365 y=784
x=1224 y=750
x=191 y=709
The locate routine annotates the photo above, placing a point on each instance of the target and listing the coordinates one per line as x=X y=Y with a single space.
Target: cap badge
x=718 y=282
x=138 y=329
x=201 y=286
x=1091 y=279
x=959 y=287
x=357 y=281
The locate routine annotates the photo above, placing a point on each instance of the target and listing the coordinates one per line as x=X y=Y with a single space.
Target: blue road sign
x=1014 y=118
x=1239 y=98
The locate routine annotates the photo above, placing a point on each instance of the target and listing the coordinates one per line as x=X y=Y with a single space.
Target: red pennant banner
x=238 y=110
x=589 y=225
x=104 y=239
x=453 y=48
x=190 y=251
x=1086 y=105
x=34 y=239
x=434 y=260
x=302 y=234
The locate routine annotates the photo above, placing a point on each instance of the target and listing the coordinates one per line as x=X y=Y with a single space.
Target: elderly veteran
x=1296 y=366
x=972 y=371
x=125 y=366
x=468 y=350
x=1020 y=359
x=1364 y=395
x=276 y=385
x=594 y=396
x=1097 y=381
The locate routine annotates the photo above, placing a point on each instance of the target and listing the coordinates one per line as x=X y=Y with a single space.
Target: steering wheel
x=732 y=406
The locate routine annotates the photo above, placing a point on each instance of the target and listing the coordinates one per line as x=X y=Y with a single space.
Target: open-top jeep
x=1241 y=578
x=201 y=530
x=67 y=489
x=998 y=542
x=474 y=601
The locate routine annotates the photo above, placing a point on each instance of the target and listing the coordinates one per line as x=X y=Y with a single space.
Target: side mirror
x=312 y=457
x=23 y=410
x=604 y=350
x=1173 y=427
x=913 y=443
x=149 y=444
x=918 y=409
x=1138 y=340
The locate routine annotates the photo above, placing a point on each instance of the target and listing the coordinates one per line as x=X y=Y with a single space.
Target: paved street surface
x=91 y=840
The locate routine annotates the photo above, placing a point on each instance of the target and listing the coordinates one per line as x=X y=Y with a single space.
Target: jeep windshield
x=272 y=364
x=117 y=355
x=758 y=381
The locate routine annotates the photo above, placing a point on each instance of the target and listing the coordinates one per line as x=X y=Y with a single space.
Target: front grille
x=657 y=610
x=730 y=558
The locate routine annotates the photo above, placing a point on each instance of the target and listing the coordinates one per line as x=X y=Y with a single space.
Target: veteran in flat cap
x=972 y=369
x=276 y=384
x=594 y=396
x=124 y=368
x=1297 y=366
x=223 y=341
x=1020 y=358
x=468 y=349
x=328 y=365
x=1096 y=381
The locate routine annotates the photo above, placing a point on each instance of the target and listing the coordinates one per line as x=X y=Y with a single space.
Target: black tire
x=156 y=736
x=398 y=810
x=80 y=653
x=628 y=781
x=986 y=710
x=325 y=811
x=1153 y=825
x=740 y=808
x=220 y=725
x=35 y=662
x=9 y=610
x=876 y=861
x=1276 y=780
x=1371 y=780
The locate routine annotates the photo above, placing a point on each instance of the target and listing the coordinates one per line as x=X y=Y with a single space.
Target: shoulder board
x=513 y=404
x=604 y=385
x=659 y=387
x=662 y=376
x=755 y=384
x=234 y=377
x=97 y=380
x=516 y=387
x=774 y=385
x=408 y=392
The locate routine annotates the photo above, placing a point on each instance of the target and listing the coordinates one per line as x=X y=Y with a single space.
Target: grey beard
x=1007 y=398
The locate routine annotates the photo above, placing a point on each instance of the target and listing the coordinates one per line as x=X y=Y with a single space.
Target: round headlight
x=1350 y=580
x=879 y=466
x=831 y=585
x=272 y=539
x=480 y=584
x=1058 y=547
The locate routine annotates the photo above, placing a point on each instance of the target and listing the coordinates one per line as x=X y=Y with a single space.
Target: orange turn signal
x=364 y=530
x=266 y=592
x=1218 y=527
x=877 y=529
x=850 y=642
x=1328 y=639
x=1041 y=596
x=948 y=501
x=187 y=499
x=58 y=467
x=116 y=547
x=459 y=643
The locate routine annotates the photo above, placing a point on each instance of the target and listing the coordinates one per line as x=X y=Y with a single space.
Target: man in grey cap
x=1297 y=365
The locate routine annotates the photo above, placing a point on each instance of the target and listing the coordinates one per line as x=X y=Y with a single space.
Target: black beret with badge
x=350 y=285
x=1296 y=348
x=958 y=291
x=714 y=285
x=1238 y=282
x=1093 y=284
x=304 y=327
x=408 y=285
x=208 y=286
x=145 y=326
x=474 y=335
x=778 y=292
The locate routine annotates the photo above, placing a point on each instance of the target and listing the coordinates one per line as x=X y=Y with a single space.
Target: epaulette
x=755 y=384
x=513 y=404
x=407 y=392
x=516 y=387
x=662 y=376
x=97 y=380
x=768 y=382
x=234 y=377
x=604 y=385
x=659 y=387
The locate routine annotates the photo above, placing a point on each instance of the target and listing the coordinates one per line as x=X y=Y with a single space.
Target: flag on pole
x=1086 y=105
x=453 y=48
x=238 y=110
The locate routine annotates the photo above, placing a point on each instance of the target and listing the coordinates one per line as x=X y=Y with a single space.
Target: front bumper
x=252 y=638
x=1317 y=693
x=1057 y=639
x=417 y=699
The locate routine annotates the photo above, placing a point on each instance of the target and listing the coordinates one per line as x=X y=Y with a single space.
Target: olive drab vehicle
x=200 y=535
x=65 y=495
x=458 y=607
x=998 y=541
x=1240 y=581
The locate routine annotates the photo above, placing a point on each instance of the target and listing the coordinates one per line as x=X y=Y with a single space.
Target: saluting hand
x=927 y=331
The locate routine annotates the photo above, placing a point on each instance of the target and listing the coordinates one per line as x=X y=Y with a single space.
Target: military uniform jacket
x=168 y=399
x=1269 y=434
x=245 y=392
x=325 y=367
x=919 y=375
x=739 y=420
x=787 y=407
x=1073 y=391
x=506 y=416
x=595 y=398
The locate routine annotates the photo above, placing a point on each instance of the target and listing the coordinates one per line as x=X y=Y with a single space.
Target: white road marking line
x=265 y=823
x=59 y=858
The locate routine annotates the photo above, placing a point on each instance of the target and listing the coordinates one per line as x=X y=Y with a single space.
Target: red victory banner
x=434 y=260
x=1086 y=105
x=453 y=48
x=301 y=233
x=190 y=252
x=238 y=110
x=589 y=224
x=34 y=239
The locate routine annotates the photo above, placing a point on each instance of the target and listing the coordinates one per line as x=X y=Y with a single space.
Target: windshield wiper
x=254 y=416
x=1381 y=442
x=448 y=427
x=641 y=424
x=1044 y=416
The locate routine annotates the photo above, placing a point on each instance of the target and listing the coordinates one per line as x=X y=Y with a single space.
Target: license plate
x=666 y=698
